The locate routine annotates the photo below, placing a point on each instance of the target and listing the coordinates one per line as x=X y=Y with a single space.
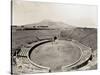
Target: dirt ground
x=56 y=54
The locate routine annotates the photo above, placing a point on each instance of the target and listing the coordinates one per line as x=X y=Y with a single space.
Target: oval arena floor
x=56 y=54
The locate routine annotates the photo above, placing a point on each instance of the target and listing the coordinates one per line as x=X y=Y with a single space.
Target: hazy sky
x=27 y=12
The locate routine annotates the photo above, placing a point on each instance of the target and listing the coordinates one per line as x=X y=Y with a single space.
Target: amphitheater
x=72 y=50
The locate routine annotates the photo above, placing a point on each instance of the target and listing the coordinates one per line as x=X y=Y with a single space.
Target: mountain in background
x=50 y=24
